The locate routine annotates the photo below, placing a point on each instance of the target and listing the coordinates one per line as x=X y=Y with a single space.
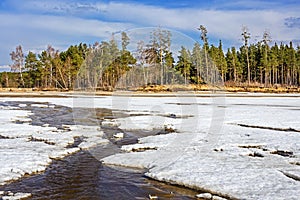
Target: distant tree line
x=107 y=65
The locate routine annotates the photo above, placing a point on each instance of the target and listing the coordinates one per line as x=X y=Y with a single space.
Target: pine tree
x=184 y=64
x=281 y=60
x=246 y=37
x=274 y=63
x=265 y=59
x=298 y=64
x=222 y=64
x=32 y=66
x=292 y=64
x=204 y=38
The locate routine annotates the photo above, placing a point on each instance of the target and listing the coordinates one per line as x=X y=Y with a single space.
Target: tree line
x=106 y=65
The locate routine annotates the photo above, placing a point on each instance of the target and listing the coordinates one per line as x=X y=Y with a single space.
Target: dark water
x=82 y=175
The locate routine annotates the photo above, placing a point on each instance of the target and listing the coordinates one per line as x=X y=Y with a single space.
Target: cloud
x=61 y=23
x=254 y=4
x=292 y=22
x=35 y=32
x=4 y=68
x=223 y=24
x=56 y=7
x=224 y=19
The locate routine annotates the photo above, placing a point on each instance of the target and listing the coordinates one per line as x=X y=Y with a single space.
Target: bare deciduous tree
x=18 y=62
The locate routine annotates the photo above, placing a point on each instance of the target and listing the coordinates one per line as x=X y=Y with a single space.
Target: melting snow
x=236 y=162
x=209 y=151
x=27 y=149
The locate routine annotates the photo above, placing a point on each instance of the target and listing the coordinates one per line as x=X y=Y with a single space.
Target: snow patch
x=27 y=149
x=226 y=165
x=13 y=196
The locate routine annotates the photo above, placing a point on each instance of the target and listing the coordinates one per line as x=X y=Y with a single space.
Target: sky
x=34 y=24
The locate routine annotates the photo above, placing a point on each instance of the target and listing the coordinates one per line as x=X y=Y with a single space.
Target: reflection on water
x=81 y=176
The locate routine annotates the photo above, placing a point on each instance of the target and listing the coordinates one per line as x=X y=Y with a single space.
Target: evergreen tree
x=282 y=63
x=265 y=58
x=234 y=67
x=33 y=70
x=291 y=63
x=204 y=38
x=246 y=37
x=184 y=64
x=298 y=64
x=221 y=62
x=254 y=61
x=103 y=64
x=274 y=63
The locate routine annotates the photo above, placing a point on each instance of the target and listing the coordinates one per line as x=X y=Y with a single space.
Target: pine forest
x=106 y=65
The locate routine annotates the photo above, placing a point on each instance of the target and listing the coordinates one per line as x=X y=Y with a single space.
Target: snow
x=109 y=123
x=118 y=135
x=14 y=196
x=224 y=163
x=27 y=149
x=204 y=196
x=209 y=151
x=39 y=105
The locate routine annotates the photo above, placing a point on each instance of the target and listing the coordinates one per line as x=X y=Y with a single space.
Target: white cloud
x=35 y=32
x=223 y=24
x=63 y=25
x=70 y=21
x=4 y=68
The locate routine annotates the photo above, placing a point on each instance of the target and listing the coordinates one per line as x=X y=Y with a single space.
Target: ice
x=237 y=162
x=151 y=142
x=93 y=137
x=39 y=105
x=110 y=123
x=209 y=151
x=14 y=196
x=22 y=105
x=204 y=196
x=27 y=149
x=118 y=135
x=267 y=112
x=20 y=157
x=146 y=122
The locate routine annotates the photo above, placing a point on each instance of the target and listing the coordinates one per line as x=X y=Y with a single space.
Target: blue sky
x=36 y=23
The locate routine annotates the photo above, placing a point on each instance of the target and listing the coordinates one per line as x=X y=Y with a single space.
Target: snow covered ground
x=232 y=147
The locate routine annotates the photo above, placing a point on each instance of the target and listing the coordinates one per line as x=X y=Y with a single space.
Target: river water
x=82 y=176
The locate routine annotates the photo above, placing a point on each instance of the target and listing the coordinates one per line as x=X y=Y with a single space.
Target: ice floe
x=13 y=196
x=235 y=163
x=27 y=149
x=209 y=151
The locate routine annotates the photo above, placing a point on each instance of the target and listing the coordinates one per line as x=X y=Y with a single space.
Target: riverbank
x=206 y=92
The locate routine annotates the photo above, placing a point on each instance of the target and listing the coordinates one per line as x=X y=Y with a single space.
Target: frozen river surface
x=230 y=147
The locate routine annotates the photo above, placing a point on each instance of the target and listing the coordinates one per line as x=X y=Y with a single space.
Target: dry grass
x=253 y=88
x=227 y=88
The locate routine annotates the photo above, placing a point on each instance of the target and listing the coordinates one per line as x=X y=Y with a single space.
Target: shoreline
x=64 y=94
